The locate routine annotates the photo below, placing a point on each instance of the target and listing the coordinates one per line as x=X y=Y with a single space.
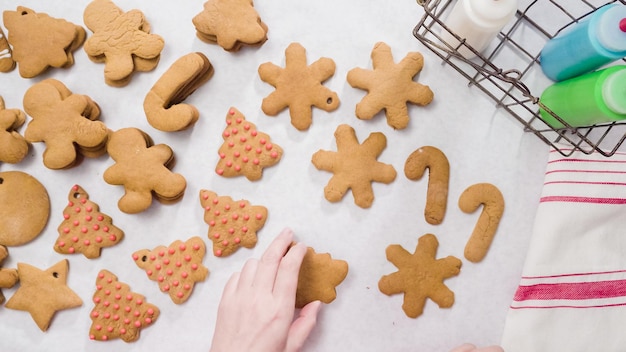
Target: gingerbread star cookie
x=13 y=146
x=390 y=86
x=298 y=86
x=176 y=268
x=355 y=166
x=420 y=276
x=230 y=24
x=67 y=123
x=24 y=208
x=43 y=292
x=7 y=64
x=118 y=312
x=122 y=40
x=40 y=41
x=8 y=277
x=319 y=275
x=232 y=224
x=246 y=150
x=84 y=228
x=143 y=172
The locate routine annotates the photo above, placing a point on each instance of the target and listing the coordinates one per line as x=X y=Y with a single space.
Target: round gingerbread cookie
x=24 y=208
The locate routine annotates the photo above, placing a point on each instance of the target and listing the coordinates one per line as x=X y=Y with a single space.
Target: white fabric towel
x=572 y=294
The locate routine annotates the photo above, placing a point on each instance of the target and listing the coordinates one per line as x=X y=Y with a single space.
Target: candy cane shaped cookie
x=493 y=206
x=6 y=59
x=436 y=162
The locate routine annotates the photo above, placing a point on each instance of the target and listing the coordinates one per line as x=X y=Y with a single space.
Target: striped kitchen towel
x=572 y=294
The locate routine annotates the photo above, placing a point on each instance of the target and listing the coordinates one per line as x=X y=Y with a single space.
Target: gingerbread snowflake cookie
x=230 y=24
x=246 y=150
x=84 y=228
x=420 y=276
x=355 y=166
x=176 y=268
x=118 y=312
x=298 y=86
x=232 y=224
x=390 y=86
x=319 y=276
x=13 y=146
x=122 y=40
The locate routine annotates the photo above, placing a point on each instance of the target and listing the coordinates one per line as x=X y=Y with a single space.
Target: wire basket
x=513 y=86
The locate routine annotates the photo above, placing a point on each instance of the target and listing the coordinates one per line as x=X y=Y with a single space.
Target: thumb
x=302 y=326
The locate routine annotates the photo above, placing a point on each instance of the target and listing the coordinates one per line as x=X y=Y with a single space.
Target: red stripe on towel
x=572 y=291
x=573 y=199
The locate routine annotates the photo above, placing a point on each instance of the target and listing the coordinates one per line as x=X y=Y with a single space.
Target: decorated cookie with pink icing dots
x=119 y=312
x=232 y=224
x=246 y=150
x=84 y=228
x=176 y=268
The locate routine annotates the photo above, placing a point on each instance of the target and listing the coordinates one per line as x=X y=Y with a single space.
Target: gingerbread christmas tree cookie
x=355 y=166
x=84 y=228
x=390 y=86
x=298 y=86
x=232 y=224
x=420 y=276
x=176 y=268
x=319 y=275
x=246 y=150
x=119 y=312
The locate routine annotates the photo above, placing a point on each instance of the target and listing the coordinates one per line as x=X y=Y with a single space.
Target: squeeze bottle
x=478 y=22
x=588 y=45
x=597 y=97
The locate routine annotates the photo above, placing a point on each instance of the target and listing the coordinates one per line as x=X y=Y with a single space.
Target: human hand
x=256 y=312
x=471 y=348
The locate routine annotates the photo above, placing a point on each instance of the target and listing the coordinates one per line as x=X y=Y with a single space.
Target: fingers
x=303 y=325
x=471 y=348
x=271 y=259
x=288 y=271
x=247 y=275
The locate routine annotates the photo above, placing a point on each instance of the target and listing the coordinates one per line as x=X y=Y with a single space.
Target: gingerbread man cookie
x=13 y=146
x=246 y=150
x=40 y=41
x=390 y=86
x=420 y=276
x=65 y=122
x=230 y=24
x=298 y=86
x=143 y=169
x=7 y=64
x=176 y=268
x=8 y=277
x=355 y=166
x=319 y=276
x=232 y=224
x=84 y=228
x=122 y=40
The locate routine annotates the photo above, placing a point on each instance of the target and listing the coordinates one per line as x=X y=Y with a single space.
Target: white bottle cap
x=493 y=13
x=610 y=28
x=614 y=91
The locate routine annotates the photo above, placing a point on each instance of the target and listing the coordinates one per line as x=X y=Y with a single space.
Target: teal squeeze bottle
x=588 y=45
x=592 y=98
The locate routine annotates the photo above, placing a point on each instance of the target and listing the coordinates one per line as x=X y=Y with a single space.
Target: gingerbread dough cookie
x=230 y=24
x=118 y=312
x=163 y=103
x=246 y=151
x=390 y=86
x=176 y=268
x=143 y=172
x=355 y=166
x=67 y=123
x=120 y=39
x=43 y=292
x=232 y=224
x=436 y=162
x=420 y=276
x=24 y=208
x=13 y=147
x=490 y=197
x=8 y=277
x=84 y=228
x=40 y=41
x=319 y=275
x=298 y=86
x=7 y=64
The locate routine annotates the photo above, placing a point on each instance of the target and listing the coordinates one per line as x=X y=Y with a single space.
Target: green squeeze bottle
x=589 y=99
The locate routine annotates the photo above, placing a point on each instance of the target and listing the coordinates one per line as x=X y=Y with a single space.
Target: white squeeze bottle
x=478 y=22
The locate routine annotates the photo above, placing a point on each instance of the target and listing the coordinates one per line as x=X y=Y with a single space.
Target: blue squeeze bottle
x=588 y=45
